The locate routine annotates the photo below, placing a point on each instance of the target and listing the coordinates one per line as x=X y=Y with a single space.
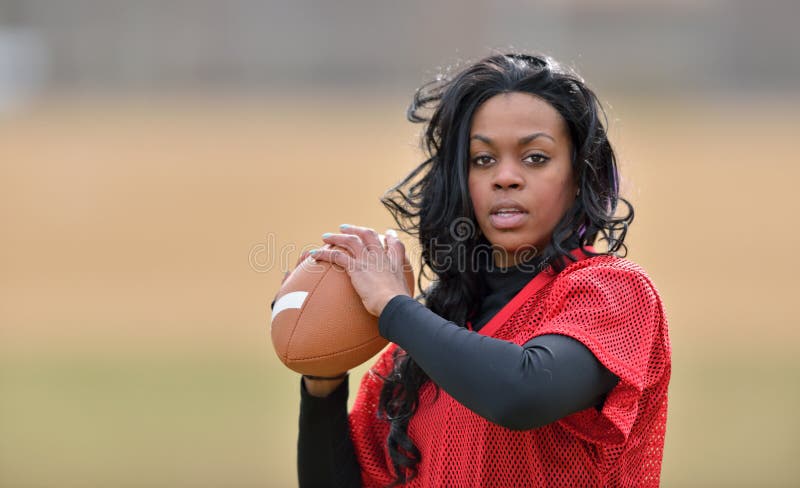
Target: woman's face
x=520 y=174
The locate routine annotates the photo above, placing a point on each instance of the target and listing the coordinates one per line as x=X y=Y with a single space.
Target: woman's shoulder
x=605 y=269
x=610 y=285
x=601 y=263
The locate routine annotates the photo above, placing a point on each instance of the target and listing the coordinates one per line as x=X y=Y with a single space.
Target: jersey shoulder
x=604 y=266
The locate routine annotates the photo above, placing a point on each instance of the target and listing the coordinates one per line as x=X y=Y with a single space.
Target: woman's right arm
x=325 y=453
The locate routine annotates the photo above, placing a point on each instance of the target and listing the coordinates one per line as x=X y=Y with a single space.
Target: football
x=319 y=324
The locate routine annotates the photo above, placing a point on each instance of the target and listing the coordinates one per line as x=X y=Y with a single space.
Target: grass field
x=134 y=346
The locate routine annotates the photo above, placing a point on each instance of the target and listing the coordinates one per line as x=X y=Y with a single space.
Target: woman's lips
x=507 y=220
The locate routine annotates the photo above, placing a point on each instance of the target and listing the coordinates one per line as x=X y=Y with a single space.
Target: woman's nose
x=507 y=175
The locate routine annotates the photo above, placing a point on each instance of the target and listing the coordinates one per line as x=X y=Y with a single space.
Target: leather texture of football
x=319 y=324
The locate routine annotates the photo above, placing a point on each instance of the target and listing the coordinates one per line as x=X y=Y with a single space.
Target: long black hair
x=433 y=203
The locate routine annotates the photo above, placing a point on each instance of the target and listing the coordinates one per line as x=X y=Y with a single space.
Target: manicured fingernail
x=313 y=251
x=344 y=226
x=391 y=232
x=326 y=235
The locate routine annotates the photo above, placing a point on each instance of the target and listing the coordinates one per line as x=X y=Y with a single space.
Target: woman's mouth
x=507 y=218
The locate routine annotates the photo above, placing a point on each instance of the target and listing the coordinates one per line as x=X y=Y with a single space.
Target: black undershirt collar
x=499 y=286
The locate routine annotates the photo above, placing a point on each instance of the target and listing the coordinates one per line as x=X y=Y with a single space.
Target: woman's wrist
x=322 y=386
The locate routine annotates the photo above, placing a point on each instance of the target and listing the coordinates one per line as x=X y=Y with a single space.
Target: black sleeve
x=325 y=454
x=519 y=387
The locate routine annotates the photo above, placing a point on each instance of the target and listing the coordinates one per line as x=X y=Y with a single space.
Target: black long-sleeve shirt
x=519 y=387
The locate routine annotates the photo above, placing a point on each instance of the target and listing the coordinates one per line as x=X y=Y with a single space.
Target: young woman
x=532 y=359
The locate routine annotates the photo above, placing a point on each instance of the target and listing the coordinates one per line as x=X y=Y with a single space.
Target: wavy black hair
x=431 y=199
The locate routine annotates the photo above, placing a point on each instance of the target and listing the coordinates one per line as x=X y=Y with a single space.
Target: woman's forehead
x=515 y=116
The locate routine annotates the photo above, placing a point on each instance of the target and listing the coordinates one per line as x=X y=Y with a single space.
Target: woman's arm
x=519 y=387
x=325 y=454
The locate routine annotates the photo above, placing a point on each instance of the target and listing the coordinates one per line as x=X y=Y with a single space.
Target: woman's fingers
x=397 y=255
x=395 y=248
x=349 y=242
x=368 y=236
x=363 y=245
x=376 y=272
x=399 y=249
x=330 y=255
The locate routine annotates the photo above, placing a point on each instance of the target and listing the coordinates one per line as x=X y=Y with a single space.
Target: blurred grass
x=158 y=421
x=732 y=420
x=231 y=421
x=134 y=346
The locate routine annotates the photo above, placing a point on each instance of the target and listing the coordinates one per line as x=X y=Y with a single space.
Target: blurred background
x=162 y=163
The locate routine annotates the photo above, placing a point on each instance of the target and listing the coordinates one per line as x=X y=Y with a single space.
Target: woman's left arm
x=519 y=387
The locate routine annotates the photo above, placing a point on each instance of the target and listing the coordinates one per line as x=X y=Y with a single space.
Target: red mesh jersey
x=611 y=306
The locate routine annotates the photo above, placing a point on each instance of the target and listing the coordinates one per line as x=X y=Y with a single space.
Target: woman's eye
x=536 y=158
x=481 y=160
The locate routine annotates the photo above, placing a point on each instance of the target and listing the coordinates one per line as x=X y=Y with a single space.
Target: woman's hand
x=377 y=272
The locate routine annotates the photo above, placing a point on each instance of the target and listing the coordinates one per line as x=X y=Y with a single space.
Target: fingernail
x=344 y=226
x=326 y=235
x=313 y=251
x=391 y=232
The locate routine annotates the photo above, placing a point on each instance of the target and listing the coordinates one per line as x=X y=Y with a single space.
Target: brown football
x=319 y=324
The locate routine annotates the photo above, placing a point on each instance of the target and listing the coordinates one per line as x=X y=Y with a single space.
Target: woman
x=535 y=360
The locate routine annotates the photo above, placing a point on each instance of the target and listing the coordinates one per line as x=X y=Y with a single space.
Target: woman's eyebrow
x=522 y=140
x=482 y=139
x=527 y=139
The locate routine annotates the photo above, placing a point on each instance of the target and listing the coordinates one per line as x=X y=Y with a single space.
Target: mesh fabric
x=610 y=305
